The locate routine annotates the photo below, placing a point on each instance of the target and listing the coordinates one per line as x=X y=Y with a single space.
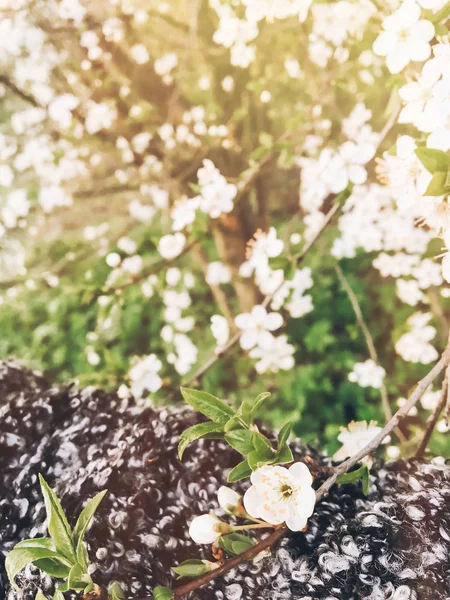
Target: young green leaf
x=116 y=592
x=240 y=471
x=362 y=473
x=58 y=595
x=433 y=160
x=283 y=456
x=58 y=526
x=36 y=543
x=240 y=440
x=262 y=444
x=208 y=405
x=191 y=568
x=19 y=558
x=259 y=400
x=236 y=422
x=196 y=432
x=162 y=593
x=82 y=524
x=77 y=578
x=436 y=187
x=40 y=596
x=284 y=434
x=52 y=567
x=235 y=543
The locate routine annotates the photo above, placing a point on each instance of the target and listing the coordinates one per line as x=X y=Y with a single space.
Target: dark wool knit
x=394 y=544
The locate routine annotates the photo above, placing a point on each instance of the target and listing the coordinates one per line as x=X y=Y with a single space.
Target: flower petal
x=301 y=473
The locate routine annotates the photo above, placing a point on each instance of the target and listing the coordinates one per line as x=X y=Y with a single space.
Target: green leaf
x=436 y=187
x=259 y=400
x=194 y=433
x=208 y=405
x=116 y=592
x=433 y=160
x=46 y=543
x=162 y=593
x=191 y=568
x=240 y=440
x=40 y=596
x=82 y=524
x=240 y=471
x=77 y=578
x=362 y=473
x=235 y=543
x=234 y=423
x=58 y=595
x=58 y=526
x=262 y=444
x=447 y=180
x=283 y=456
x=52 y=567
x=19 y=558
x=284 y=434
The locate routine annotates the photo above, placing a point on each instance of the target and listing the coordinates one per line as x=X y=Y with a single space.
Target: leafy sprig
x=238 y=429
x=63 y=555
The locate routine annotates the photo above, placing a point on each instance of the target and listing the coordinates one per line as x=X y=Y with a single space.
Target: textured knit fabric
x=394 y=544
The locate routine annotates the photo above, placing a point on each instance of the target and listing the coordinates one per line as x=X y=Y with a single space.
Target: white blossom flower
x=367 y=374
x=446 y=259
x=425 y=100
x=207 y=529
x=405 y=37
x=218 y=273
x=276 y=354
x=256 y=326
x=144 y=376
x=220 y=330
x=279 y=495
x=354 y=437
x=217 y=198
x=430 y=399
x=262 y=246
x=228 y=499
x=415 y=346
x=347 y=166
x=171 y=245
x=140 y=54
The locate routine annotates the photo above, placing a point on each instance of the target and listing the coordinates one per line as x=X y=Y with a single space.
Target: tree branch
x=445 y=397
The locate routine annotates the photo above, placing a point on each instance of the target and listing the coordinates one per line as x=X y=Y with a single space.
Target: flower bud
x=229 y=500
x=207 y=529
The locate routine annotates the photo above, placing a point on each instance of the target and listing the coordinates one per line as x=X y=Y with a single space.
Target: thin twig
x=369 y=342
x=434 y=417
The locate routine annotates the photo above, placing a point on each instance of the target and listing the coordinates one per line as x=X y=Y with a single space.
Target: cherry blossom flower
x=415 y=346
x=367 y=374
x=347 y=166
x=426 y=100
x=262 y=246
x=405 y=37
x=171 y=245
x=144 y=376
x=279 y=495
x=218 y=273
x=207 y=529
x=354 y=437
x=276 y=354
x=220 y=330
x=256 y=326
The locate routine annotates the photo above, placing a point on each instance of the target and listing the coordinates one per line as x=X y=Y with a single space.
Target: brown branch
x=435 y=416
